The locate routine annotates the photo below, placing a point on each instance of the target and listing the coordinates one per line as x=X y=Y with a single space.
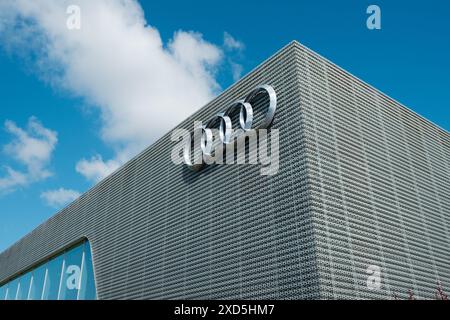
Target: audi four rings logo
x=219 y=131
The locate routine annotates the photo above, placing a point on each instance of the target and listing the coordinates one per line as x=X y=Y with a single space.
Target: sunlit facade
x=359 y=208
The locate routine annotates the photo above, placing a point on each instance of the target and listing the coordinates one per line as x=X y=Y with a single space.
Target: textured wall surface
x=362 y=181
x=158 y=230
x=380 y=184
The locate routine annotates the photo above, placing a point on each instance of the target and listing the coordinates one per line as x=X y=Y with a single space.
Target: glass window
x=24 y=286
x=12 y=289
x=71 y=277
x=87 y=287
x=2 y=292
x=53 y=278
x=37 y=284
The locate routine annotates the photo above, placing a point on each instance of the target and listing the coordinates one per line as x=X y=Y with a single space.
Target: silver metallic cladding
x=381 y=189
x=362 y=180
x=160 y=231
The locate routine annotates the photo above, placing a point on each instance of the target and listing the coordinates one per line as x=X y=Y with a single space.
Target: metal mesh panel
x=380 y=187
x=161 y=231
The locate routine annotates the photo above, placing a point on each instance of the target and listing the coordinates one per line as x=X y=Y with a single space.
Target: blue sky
x=73 y=130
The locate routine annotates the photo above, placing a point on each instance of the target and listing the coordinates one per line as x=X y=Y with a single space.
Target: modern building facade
x=359 y=208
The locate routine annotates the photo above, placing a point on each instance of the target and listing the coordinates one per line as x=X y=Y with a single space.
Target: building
x=359 y=208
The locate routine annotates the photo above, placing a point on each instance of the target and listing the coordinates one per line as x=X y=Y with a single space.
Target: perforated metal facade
x=362 y=181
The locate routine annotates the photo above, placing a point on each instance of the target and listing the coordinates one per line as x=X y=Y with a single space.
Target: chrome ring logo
x=218 y=134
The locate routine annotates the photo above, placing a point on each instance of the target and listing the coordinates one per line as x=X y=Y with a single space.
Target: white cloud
x=119 y=64
x=32 y=148
x=231 y=43
x=236 y=70
x=12 y=180
x=59 y=197
x=96 y=169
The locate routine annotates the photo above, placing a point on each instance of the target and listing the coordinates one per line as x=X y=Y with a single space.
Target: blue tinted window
x=53 y=278
x=71 y=274
x=2 y=292
x=68 y=276
x=24 y=286
x=87 y=288
x=37 y=283
x=12 y=290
